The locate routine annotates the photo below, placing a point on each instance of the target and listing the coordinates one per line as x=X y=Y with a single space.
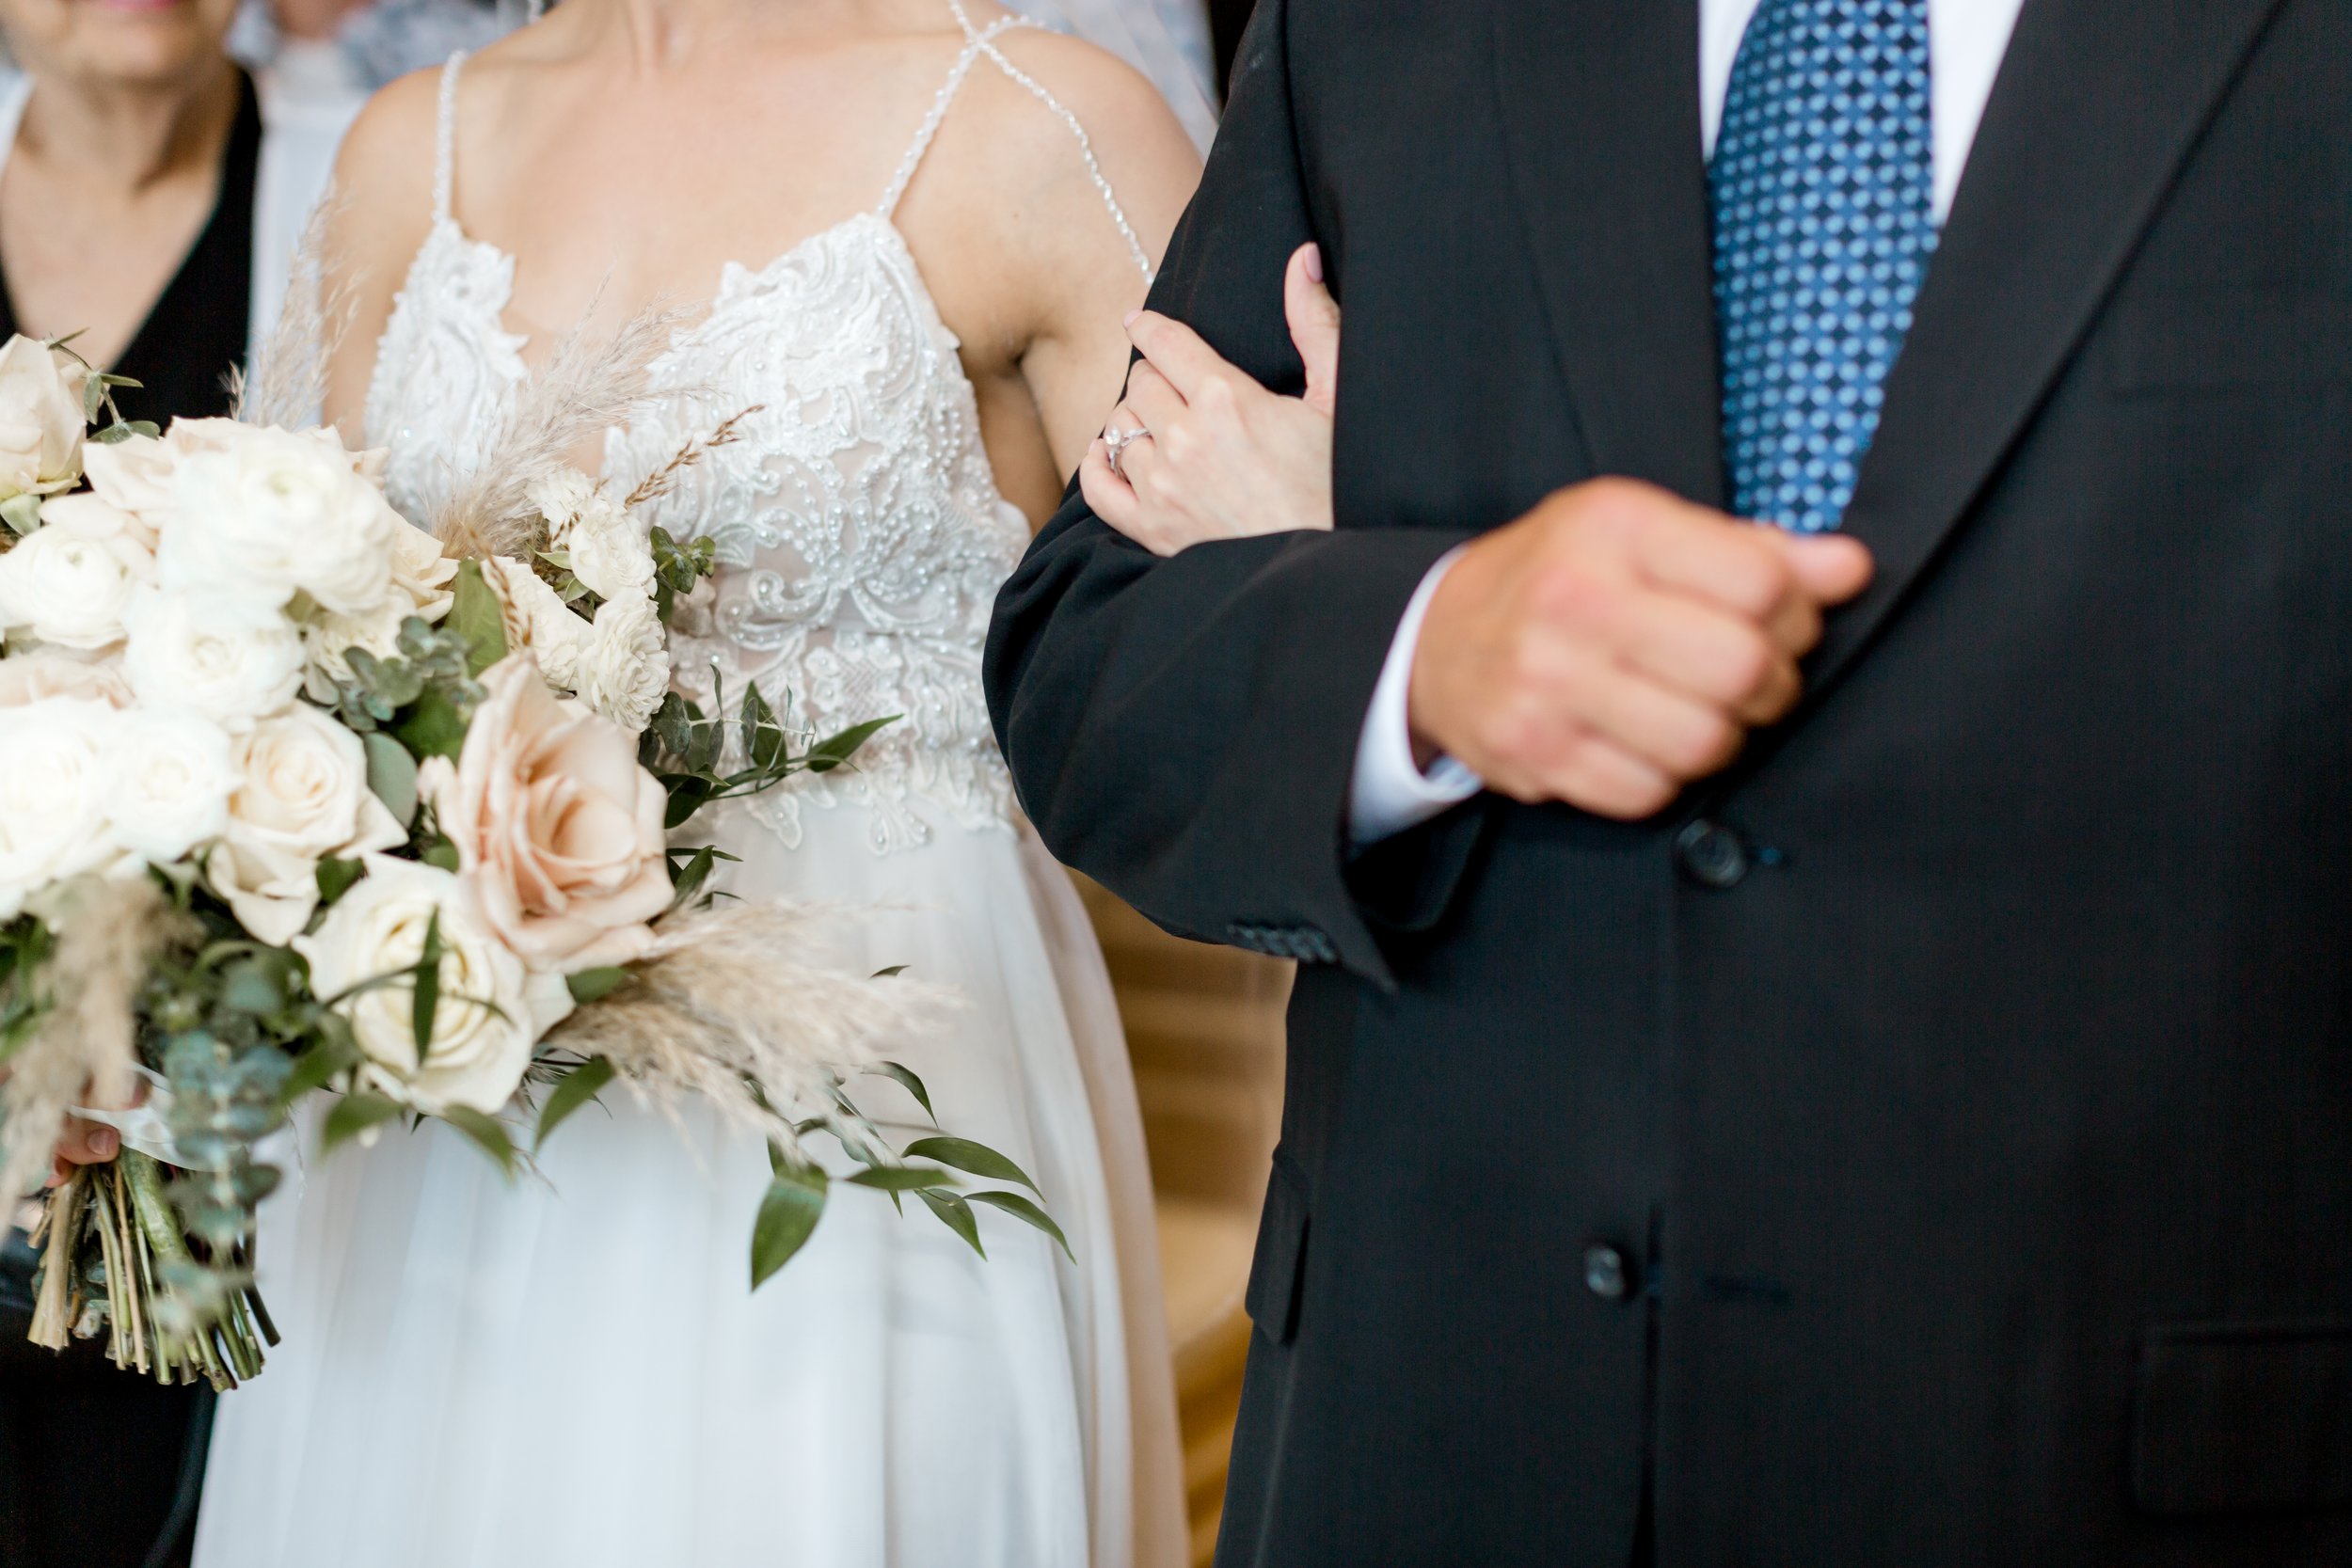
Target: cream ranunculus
x=607 y=551
x=271 y=512
x=69 y=581
x=170 y=776
x=492 y=1010
x=624 y=668
x=53 y=794
x=537 y=622
x=559 y=832
x=302 y=794
x=41 y=674
x=41 y=422
x=420 y=586
x=222 y=655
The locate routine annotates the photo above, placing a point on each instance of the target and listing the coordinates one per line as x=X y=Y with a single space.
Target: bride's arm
x=1065 y=262
x=381 y=210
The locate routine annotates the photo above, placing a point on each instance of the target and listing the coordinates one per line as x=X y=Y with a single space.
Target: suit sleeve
x=1184 y=730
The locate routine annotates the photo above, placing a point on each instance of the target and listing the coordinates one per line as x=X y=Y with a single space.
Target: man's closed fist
x=1618 y=642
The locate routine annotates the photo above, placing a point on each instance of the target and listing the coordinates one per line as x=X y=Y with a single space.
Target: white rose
x=220 y=654
x=607 y=551
x=41 y=422
x=53 y=794
x=421 y=571
x=170 y=776
x=302 y=795
x=41 y=674
x=272 y=513
x=624 y=667
x=492 y=1010
x=69 y=581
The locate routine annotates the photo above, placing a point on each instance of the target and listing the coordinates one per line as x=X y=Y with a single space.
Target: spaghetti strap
x=979 y=42
x=445 y=142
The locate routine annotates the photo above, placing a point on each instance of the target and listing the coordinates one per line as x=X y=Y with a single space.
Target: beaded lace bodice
x=859 y=532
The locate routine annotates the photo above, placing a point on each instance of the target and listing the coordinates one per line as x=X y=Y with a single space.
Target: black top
x=196 y=332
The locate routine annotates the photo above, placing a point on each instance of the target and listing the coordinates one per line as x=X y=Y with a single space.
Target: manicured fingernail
x=1132 y=315
x=104 y=1141
x=1314 y=263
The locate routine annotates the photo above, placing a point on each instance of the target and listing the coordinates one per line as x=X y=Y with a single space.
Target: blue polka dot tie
x=1821 y=188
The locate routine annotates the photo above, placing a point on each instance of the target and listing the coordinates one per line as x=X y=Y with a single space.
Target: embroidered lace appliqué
x=859 y=531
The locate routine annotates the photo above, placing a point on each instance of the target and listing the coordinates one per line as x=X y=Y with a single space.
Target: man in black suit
x=1925 y=1138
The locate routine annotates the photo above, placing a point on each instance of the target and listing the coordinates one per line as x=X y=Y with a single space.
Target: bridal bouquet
x=296 y=801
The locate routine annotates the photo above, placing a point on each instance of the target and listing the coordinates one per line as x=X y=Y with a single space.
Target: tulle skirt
x=571 y=1370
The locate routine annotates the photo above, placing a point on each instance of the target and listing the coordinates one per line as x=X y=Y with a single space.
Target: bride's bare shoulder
x=1016 y=154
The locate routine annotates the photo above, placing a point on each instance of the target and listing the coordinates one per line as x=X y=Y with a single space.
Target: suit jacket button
x=1712 y=855
x=1605 y=1271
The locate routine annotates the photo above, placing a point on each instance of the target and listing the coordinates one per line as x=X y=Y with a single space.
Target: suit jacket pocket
x=1274 y=1273
x=2217 y=341
x=2239 y=1417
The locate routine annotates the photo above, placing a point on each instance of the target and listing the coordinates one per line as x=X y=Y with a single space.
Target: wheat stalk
x=662 y=480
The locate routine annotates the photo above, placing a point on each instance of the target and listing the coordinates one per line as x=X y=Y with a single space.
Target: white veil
x=1165 y=40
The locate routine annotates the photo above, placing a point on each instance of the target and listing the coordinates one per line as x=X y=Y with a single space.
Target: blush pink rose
x=558 y=829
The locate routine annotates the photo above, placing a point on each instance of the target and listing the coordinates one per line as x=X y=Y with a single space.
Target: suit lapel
x=2097 y=104
x=1600 y=111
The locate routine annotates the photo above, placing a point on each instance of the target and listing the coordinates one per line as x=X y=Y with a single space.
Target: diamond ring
x=1116 y=442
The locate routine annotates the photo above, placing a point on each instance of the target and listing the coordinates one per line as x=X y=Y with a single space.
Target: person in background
x=152 y=196
x=331 y=52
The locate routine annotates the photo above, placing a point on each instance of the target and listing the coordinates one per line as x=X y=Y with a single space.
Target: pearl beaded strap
x=445 y=141
x=982 y=41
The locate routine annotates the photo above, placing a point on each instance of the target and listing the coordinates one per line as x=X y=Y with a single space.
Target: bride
x=909 y=231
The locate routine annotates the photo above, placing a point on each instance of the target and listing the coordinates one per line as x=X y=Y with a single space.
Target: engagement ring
x=1116 y=442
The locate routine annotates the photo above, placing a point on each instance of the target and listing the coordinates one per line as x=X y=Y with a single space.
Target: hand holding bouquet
x=298 y=802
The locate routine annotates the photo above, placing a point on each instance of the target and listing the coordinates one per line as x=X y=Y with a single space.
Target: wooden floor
x=1204 y=1029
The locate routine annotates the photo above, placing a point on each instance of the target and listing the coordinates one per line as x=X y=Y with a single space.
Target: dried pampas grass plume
x=587 y=387
x=108 y=934
x=286 y=384
x=722 y=1004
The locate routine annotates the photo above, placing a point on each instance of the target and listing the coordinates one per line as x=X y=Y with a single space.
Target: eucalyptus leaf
x=1022 y=1209
x=890 y=973
x=956 y=1215
x=577 y=1088
x=474 y=615
x=787 y=1217
x=21 y=513
x=440 y=853
x=392 y=775
x=966 y=1155
x=687 y=797
x=433 y=727
x=353 y=1114
x=488 y=1134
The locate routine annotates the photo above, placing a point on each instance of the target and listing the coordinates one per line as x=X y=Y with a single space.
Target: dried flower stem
x=664 y=479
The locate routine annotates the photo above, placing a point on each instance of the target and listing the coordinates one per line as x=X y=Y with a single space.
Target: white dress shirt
x=1966 y=39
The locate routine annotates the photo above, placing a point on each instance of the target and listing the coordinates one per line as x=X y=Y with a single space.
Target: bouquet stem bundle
x=124 y=1209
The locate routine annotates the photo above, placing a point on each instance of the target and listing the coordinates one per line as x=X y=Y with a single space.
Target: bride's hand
x=1223 y=457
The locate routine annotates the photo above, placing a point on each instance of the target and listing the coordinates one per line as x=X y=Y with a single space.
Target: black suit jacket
x=1930 y=1142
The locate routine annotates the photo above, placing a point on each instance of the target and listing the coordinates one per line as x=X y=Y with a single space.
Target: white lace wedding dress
x=572 y=1373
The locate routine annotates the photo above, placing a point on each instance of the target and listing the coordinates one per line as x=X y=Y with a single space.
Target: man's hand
x=1618 y=642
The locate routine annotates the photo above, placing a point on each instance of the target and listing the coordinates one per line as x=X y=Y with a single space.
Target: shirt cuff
x=1390 y=792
